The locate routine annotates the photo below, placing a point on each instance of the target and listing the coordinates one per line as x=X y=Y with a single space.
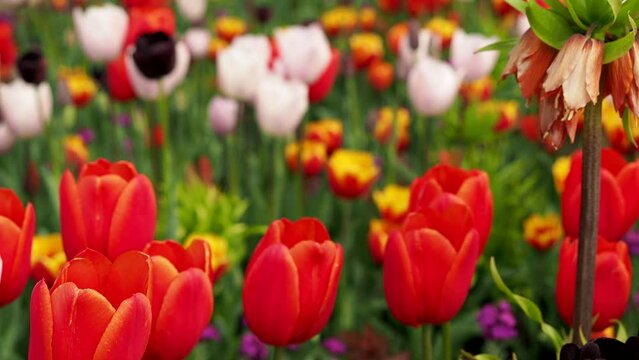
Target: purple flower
x=632 y=240
x=210 y=333
x=335 y=346
x=252 y=348
x=123 y=120
x=87 y=135
x=497 y=322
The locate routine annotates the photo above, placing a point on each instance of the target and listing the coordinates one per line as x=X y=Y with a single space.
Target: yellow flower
x=378 y=232
x=219 y=251
x=384 y=126
x=215 y=46
x=340 y=19
x=75 y=151
x=352 y=173
x=228 y=27
x=542 y=232
x=328 y=131
x=367 y=18
x=47 y=257
x=77 y=86
x=313 y=156
x=366 y=47
x=442 y=27
x=560 y=170
x=392 y=202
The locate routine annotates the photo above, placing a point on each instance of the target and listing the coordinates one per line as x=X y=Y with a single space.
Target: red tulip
x=613 y=277
x=145 y=3
x=17 y=225
x=110 y=209
x=291 y=282
x=619 y=207
x=118 y=81
x=145 y=20
x=8 y=49
x=181 y=297
x=318 y=90
x=472 y=187
x=429 y=264
x=95 y=310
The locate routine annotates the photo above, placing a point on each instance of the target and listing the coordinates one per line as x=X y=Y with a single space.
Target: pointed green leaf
x=628 y=128
x=559 y=8
x=613 y=50
x=600 y=13
x=519 y=5
x=622 y=334
x=549 y=26
x=503 y=45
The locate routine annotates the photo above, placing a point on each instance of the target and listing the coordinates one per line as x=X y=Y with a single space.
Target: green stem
x=355 y=117
x=347 y=317
x=168 y=195
x=392 y=149
x=279 y=178
x=448 y=348
x=233 y=178
x=278 y=353
x=427 y=342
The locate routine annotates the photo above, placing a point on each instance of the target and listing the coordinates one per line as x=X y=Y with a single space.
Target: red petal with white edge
x=127 y=334
x=41 y=324
x=271 y=296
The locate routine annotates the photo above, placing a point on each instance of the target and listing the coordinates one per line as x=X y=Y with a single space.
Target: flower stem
x=448 y=348
x=167 y=193
x=278 y=353
x=427 y=342
x=279 y=178
x=590 y=196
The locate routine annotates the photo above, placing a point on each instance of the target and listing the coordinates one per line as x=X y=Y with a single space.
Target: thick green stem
x=279 y=178
x=590 y=196
x=353 y=112
x=278 y=353
x=231 y=159
x=347 y=317
x=448 y=347
x=168 y=196
x=427 y=342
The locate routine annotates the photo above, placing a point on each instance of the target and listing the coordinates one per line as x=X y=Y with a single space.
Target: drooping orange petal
x=41 y=324
x=127 y=335
x=134 y=218
x=564 y=64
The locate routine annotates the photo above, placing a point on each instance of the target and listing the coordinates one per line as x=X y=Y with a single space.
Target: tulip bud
x=101 y=30
x=352 y=173
x=223 y=114
x=433 y=86
x=198 y=40
x=32 y=66
x=154 y=54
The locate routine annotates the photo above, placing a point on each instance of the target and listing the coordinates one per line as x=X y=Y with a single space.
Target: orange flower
x=380 y=75
x=378 y=232
x=621 y=81
x=228 y=27
x=443 y=29
x=478 y=90
x=367 y=18
x=543 y=232
x=392 y=202
x=560 y=170
x=76 y=86
x=339 y=20
x=386 y=118
x=215 y=46
x=351 y=173
x=508 y=115
x=328 y=131
x=47 y=257
x=313 y=157
x=76 y=153
x=613 y=127
x=395 y=35
x=366 y=48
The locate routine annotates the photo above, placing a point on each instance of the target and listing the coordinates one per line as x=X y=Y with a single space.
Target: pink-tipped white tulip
x=26 y=108
x=193 y=10
x=280 y=105
x=7 y=138
x=241 y=66
x=304 y=50
x=197 y=39
x=433 y=86
x=464 y=56
x=409 y=56
x=101 y=30
x=223 y=114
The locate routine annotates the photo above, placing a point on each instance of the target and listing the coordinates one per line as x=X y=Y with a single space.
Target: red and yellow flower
x=313 y=157
x=543 y=231
x=390 y=120
x=339 y=20
x=77 y=85
x=443 y=29
x=329 y=131
x=381 y=75
x=219 y=252
x=378 y=232
x=47 y=257
x=229 y=27
x=366 y=48
x=392 y=202
x=351 y=173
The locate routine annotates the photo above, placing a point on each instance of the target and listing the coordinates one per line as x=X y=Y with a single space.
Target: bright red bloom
x=471 y=187
x=429 y=264
x=17 y=225
x=389 y=5
x=351 y=173
x=418 y=7
x=111 y=209
x=318 y=90
x=8 y=49
x=145 y=20
x=619 y=207
x=145 y=3
x=395 y=34
x=380 y=75
x=181 y=297
x=118 y=81
x=613 y=277
x=95 y=310
x=291 y=282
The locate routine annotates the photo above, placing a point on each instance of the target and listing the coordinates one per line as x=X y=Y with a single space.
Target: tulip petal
x=399 y=284
x=130 y=274
x=134 y=217
x=172 y=251
x=201 y=255
x=328 y=303
x=71 y=217
x=271 y=296
x=127 y=335
x=164 y=272
x=628 y=180
x=612 y=290
x=186 y=311
x=10 y=235
x=304 y=229
x=41 y=332
x=11 y=206
x=475 y=192
x=81 y=272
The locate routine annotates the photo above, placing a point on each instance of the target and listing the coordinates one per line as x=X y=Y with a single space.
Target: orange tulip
x=351 y=173
x=395 y=35
x=111 y=209
x=366 y=48
x=313 y=157
x=339 y=20
x=367 y=18
x=543 y=232
x=229 y=27
x=380 y=75
x=328 y=131
x=291 y=282
x=17 y=225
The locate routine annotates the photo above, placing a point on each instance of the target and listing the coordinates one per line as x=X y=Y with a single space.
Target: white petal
x=101 y=30
x=280 y=105
x=223 y=114
x=197 y=40
x=26 y=108
x=7 y=138
x=193 y=10
x=463 y=57
x=304 y=51
x=433 y=86
x=241 y=66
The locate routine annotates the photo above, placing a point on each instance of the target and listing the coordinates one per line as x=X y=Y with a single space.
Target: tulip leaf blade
x=519 y=5
x=613 y=50
x=622 y=333
x=527 y=306
x=558 y=8
x=550 y=27
x=628 y=128
x=499 y=45
x=600 y=13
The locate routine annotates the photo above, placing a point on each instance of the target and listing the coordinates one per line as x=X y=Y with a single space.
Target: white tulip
x=197 y=39
x=101 y=30
x=433 y=86
x=26 y=108
x=304 y=51
x=7 y=138
x=463 y=54
x=280 y=105
x=223 y=114
x=149 y=89
x=193 y=10
x=409 y=56
x=241 y=66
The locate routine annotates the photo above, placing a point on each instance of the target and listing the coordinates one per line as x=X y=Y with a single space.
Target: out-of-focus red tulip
x=378 y=233
x=118 y=81
x=145 y=20
x=395 y=35
x=389 y=5
x=367 y=18
x=351 y=173
x=419 y=7
x=471 y=187
x=95 y=310
x=508 y=114
x=318 y=90
x=619 y=207
x=340 y=20
x=429 y=264
x=328 y=131
x=131 y=4
x=443 y=29
x=313 y=157
x=291 y=282
x=613 y=277
x=8 y=49
x=380 y=75
x=111 y=209
x=478 y=90
x=543 y=232
x=366 y=48
x=76 y=152
x=181 y=297
x=17 y=225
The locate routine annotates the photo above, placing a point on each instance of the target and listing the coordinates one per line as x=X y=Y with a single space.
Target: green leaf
x=622 y=334
x=559 y=8
x=613 y=50
x=549 y=26
x=468 y=356
x=499 y=45
x=628 y=128
x=600 y=13
x=519 y=5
